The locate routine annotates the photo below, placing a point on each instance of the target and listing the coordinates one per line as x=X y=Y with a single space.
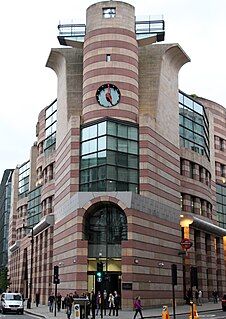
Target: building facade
x=5 y=200
x=125 y=167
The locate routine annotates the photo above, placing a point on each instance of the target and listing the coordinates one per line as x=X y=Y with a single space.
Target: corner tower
x=110 y=73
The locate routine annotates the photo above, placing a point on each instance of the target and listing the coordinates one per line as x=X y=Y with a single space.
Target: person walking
x=75 y=295
x=98 y=302
x=37 y=298
x=117 y=302
x=111 y=301
x=51 y=302
x=93 y=303
x=105 y=301
x=68 y=303
x=200 y=297
x=196 y=296
x=59 y=301
x=215 y=296
x=138 y=307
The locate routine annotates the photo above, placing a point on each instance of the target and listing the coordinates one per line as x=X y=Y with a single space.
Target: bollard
x=165 y=312
x=77 y=311
x=193 y=312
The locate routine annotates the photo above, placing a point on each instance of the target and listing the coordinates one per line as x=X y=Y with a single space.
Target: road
x=218 y=314
x=16 y=316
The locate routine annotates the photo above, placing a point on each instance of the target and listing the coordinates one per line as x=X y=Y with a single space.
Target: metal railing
x=142 y=29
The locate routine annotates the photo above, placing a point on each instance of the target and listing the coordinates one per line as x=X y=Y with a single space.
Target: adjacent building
x=5 y=202
x=125 y=170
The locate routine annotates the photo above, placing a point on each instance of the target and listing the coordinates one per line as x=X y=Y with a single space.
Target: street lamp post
x=31 y=270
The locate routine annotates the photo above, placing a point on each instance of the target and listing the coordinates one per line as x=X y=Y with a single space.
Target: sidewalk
x=43 y=311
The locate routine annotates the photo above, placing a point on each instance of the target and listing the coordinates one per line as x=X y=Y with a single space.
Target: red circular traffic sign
x=186 y=243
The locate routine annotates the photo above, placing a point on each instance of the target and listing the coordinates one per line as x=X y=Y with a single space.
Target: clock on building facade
x=108 y=95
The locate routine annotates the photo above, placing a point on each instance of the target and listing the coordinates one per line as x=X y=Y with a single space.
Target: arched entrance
x=105 y=228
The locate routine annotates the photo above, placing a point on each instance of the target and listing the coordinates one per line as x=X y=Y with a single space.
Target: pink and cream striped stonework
x=172 y=180
x=110 y=37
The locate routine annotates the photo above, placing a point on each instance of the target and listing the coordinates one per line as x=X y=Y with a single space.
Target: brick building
x=125 y=167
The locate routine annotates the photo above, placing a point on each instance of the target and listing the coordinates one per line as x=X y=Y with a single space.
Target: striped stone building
x=125 y=167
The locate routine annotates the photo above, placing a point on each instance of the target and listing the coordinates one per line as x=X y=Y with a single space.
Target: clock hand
x=108 y=95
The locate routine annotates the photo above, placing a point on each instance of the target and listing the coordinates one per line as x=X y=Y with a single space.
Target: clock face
x=108 y=95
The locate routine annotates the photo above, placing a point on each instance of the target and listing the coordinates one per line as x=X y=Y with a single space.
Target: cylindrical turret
x=110 y=74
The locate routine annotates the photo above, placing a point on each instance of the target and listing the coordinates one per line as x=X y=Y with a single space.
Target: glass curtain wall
x=50 y=129
x=194 y=125
x=24 y=172
x=109 y=157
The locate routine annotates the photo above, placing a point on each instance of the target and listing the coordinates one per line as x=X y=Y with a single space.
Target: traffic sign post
x=56 y=281
x=77 y=311
x=186 y=243
x=174 y=283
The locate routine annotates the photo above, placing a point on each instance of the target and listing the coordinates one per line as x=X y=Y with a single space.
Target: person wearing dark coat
x=51 y=302
x=59 y=302
x=68 y=303
x=93 y=304
x=117 y=302
x=37 y=298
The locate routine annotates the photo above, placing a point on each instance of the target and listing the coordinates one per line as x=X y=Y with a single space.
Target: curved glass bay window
x=109 y=157
x=50 y=128
x=34 y=208
x=23 y=186
x=221 y=205
x=194 y=125
x=105 y=229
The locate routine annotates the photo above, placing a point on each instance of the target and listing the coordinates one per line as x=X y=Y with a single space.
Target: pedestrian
x=63 y=304
x=190 y=295
x=117 y=302
x=93 y=303
x=215 y=296
x=138 y=307
x=87 y=296
x=51 y=302
x=111 y=304
x=37 y=298
x=200 y=297
x=105 y=301
x=68 y=303
x=196 y=296
x=75 y=295
x=98 y=302
x=59 y=301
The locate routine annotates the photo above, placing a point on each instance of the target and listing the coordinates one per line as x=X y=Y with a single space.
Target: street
x=218 y=314
x=16 y=316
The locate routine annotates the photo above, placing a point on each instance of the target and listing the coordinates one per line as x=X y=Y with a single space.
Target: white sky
x=29 y=31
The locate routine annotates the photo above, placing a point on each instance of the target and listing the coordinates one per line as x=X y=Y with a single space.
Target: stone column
x=201 y=263
x=220 y=265
x=211 y=264
x=197 y=203
x=196 y=172
x=187 y=203
x=185 y=168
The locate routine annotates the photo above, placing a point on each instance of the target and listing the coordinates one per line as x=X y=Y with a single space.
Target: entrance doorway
x=105 y=229
x=111 y=282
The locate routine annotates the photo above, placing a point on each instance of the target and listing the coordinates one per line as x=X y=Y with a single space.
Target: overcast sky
x=29 y=31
